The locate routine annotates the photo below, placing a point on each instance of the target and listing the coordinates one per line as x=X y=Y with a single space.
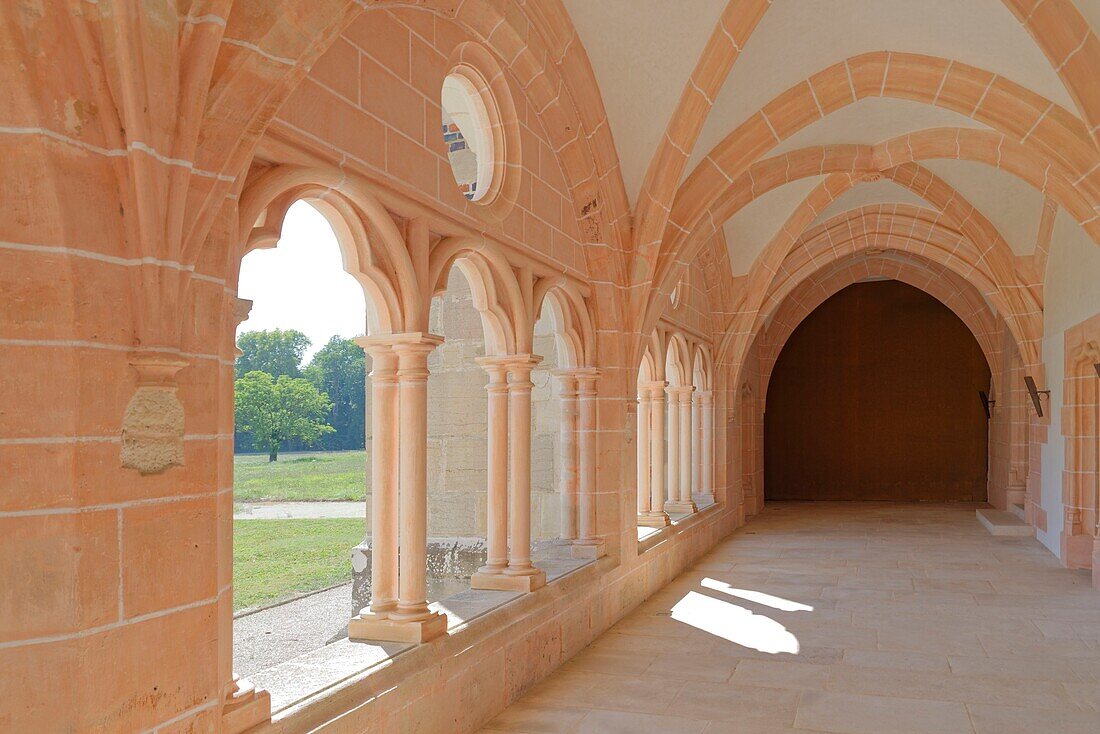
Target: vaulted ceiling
x=661 y=72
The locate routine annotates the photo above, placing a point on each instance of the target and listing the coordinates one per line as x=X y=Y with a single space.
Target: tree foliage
x=277 y=352
x=339 y=371
x=273 y=410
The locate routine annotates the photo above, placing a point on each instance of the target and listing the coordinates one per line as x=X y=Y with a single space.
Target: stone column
x=384 y=479
x=696 y=442
x=568 y=459
x=657 y=518
x=520 y=567
x=679 y=451
x=588 y=543
x=706 y=441
x=496 y=470
x=411 y=620
x=672 y=406
x=642 y=441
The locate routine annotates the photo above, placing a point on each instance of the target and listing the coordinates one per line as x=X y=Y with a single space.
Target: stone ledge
x=999 y=522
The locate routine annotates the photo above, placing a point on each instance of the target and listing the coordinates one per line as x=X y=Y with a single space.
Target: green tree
x=339 y=371
x=274 y=410
x=277 y=352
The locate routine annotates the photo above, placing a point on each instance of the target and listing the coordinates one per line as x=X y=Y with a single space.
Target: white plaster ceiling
x=1012 y=205
x=642 y=52
x=868 y=193
x=798 y=38
x=871 y=121
x=749 y=230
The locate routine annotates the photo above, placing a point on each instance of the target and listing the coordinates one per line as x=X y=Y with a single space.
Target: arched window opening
x=300 y=465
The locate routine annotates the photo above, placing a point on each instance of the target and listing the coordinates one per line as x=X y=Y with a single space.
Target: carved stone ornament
x=152 y=426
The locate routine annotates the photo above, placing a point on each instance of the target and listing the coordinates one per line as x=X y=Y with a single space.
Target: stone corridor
x=833 y=617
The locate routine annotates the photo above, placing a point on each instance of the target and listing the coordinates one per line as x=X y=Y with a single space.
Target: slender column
x=679 y=451
x=568 y=460
x=672 y=399
x=588 y=543
x=706 y=484
x=384 y=480
x=686 y=431
x=411 y=620
x=519 y=420
x=497 y=466
x=644 y=504
x=696 y=442
x=658 y=516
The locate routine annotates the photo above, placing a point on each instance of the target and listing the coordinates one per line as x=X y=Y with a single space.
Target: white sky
x=301 y=284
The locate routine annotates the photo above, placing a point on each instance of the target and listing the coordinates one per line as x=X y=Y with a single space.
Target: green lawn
x=333 y=475
x=277 y=559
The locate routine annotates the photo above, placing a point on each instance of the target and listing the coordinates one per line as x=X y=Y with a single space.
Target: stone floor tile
x=857 y=714
x=520 y=717
x=1015 y=720
x=623 y=722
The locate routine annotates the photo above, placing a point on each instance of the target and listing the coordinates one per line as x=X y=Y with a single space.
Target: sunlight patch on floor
x=734 y=623
x=775 y=602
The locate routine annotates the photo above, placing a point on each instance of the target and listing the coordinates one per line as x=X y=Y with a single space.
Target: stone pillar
x=520 y=574
x=411 y=620
x=679 y=451
x=497 y=471
x=642 y=441
x=706 y=442
x=519 y=474
x=696 y=442
x=588 y=543
x=568 y=459
x=384 y=479
x=657 y=518
x=672 y=447
x=243 y=706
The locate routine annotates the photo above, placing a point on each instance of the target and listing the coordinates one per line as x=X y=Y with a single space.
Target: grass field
x=333 y=475
x=277 y=559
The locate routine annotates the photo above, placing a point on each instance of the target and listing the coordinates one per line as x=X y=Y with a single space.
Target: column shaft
x=673 y=446
x=706 y=484
x=657 y=448
x=568 y=454
x=696 y=442
x=497 y=469
x=586 y=398
x=643 y=446
x=685 y=444
x=412 y=376
x=384 y=481
x=519 y=479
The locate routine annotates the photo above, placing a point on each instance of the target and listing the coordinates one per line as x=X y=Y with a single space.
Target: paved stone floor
x=856 y=618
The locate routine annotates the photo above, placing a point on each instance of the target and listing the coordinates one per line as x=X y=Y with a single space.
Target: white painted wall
x=1072 y=295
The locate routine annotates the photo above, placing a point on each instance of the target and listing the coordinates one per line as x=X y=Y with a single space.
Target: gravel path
x=297 y=510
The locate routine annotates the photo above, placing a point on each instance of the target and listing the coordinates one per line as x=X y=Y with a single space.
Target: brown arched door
x=875 y=397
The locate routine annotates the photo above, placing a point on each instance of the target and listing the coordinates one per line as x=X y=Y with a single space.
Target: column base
x=681 y=507
x=503 y=582
x=245 y=708
x=654 y=520
x=588 y=549
x=1077 y=551
x=1096 y=563
x=373 y=627
x=704 y=500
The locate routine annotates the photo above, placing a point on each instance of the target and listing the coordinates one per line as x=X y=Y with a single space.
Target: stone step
x=1017 y=509
x=999 y=522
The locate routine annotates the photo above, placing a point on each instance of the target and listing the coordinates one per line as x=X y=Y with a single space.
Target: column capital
x=398 y=341
x=656 y=388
